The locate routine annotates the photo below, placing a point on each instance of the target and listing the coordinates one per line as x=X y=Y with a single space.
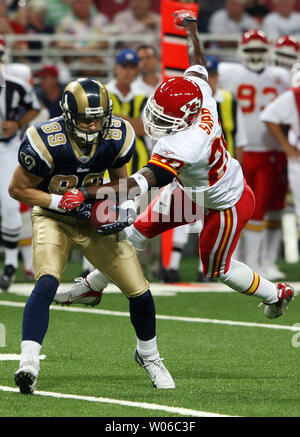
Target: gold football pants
x=55 y=235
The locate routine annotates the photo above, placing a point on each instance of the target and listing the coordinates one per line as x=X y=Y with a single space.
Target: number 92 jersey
x=50 y=152
x=253 y=92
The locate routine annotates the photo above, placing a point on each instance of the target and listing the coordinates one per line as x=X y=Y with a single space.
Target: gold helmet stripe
x=79 y=94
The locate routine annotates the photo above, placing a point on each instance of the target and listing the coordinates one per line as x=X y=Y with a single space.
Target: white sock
x=86 y=265
x=26 y=252
x=148 y=349
x=30 y=350
x=271 y=246
x=252 y=245
x=175 y=259
x=11 y=257
x=97 y=280
x=244 y=280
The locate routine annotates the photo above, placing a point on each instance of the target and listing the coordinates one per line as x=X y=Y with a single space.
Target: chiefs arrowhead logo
x=191 y=107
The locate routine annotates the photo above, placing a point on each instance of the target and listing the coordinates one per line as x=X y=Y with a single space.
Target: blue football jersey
x=50 y=152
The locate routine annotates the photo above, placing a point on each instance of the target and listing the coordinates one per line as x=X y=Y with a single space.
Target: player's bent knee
x=136 y=293
x=46 y=286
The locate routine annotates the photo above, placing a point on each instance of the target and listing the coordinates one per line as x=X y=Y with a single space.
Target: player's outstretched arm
x=188 y=20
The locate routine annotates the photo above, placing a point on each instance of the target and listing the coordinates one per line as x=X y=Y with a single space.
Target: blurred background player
x=255 y=83
x=16 y=94
x=285 y=111
x=286 y=51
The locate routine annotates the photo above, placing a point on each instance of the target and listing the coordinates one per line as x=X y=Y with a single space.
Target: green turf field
x=219 y=366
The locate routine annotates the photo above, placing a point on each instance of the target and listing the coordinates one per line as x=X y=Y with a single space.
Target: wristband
x=141 y=181
x=55 y=199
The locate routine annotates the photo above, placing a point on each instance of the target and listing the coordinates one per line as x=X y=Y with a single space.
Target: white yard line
x=15 y=357
x=144 y=405
x=161 y=317
x=157 y=289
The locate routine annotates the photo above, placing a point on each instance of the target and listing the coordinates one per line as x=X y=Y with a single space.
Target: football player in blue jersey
x=63 y=153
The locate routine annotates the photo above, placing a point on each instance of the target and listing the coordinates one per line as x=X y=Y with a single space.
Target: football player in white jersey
x=191 y=162
x=255 y=84
x=285 y=110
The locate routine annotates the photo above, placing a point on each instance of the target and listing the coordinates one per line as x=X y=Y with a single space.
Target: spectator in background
x=10 y=26
x=57 y=10
x=138 y=20
x=33 y=19
x=128 y=104
x=83 y=20
x=49 y=91
x=257 y=9
x=149 y=77
x=283 y=20
x=206 y=9
x=231 y=20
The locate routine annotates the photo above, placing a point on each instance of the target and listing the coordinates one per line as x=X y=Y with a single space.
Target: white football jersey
x=253 y=92
x=198 y=158
x=284 y=110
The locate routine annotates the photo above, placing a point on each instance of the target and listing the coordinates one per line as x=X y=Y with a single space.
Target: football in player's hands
x=103 y=212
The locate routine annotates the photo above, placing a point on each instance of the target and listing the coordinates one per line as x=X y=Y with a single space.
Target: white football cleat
x=156 y=370
x=285 y=295
x=26 y=376
x=80 y=292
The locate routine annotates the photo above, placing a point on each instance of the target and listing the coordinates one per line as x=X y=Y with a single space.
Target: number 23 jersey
x=198 y=158
x=50 y=152
x=254 y=91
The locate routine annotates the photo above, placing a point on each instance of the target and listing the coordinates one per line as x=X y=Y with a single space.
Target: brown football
x=103 y=213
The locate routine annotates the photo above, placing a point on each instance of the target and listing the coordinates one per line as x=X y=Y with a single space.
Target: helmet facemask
x=255 y=58
x=254 y=50
x=174 y=107
x=157 y=124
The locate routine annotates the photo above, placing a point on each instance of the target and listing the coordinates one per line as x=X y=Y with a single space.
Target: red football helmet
x=286 y=51
x=175 y=106
x=254 y=49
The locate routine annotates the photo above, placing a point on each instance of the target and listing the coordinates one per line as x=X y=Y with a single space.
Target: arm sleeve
x=163 y=177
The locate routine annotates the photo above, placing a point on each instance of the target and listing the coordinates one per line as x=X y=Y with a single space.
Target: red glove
x=71 y=199
x=183 y=17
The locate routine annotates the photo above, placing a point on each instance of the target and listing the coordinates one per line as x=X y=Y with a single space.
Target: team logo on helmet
x=191 y=107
